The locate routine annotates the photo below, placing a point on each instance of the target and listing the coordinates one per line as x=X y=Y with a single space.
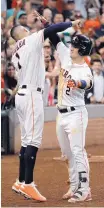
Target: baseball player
x=74 y=78
x=28 y=59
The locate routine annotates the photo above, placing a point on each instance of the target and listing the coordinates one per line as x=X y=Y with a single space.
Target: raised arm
x=55 y=28
x=51 y=30
x=55 y=72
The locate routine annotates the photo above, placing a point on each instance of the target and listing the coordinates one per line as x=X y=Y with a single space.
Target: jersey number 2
x=17 y=56
x=68 y=91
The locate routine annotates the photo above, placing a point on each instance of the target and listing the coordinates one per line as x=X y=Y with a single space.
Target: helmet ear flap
x=85 y=51
x=81 y=52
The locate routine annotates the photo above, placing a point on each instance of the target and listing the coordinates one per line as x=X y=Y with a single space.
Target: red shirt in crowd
x=3 y=97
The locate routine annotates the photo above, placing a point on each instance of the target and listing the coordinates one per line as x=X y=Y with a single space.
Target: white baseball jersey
x=71 y=96
x=28 y=59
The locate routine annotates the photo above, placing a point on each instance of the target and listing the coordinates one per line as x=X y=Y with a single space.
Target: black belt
x=38 y=89
x=65 y=110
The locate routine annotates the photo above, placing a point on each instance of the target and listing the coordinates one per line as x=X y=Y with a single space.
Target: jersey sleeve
x=86 y=75
x=64 y=55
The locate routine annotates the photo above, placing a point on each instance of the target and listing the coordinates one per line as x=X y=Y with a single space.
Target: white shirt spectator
x=3 y=5
x=46 y=91
x=98 y=87
x=80 y=6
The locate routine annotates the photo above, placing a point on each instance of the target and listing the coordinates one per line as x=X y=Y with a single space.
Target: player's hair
x=95 y=60
x=12 y=31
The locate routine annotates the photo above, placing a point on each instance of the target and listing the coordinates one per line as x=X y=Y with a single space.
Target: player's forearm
x=84 y=84
x=54 y=73
x=53 y=29
x=81 y=84
x=15 y=91
x=55 y=39
x=7 y=91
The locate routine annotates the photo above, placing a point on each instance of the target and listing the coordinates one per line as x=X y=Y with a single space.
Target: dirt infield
x=51 y=178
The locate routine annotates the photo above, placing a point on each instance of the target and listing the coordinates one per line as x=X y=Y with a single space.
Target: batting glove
x=73 y=83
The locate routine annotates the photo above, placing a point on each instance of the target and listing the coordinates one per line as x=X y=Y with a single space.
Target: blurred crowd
x=55 y=11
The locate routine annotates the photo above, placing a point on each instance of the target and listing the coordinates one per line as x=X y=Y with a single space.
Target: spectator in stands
x=22 y=19
x=3 y=68
x=48 y=67
x=35 y=4
x=22 y=12
x=52 y=6
x=69 y=9
x=2 y=23
x=10 y=84
x=15 y=10
x=3 y=8
x=92 y=21
x=93 y=5
x=10 y=80
x=81 y=6
x=101 y=6
x=101 y=52
x=100 y=31
x=47 y=14
x=47 y=48
x=27 y=7
x=96 y=93
x=58 y=18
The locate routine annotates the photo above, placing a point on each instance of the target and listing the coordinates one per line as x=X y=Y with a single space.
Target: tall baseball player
x=28 y=59
x=74 y=78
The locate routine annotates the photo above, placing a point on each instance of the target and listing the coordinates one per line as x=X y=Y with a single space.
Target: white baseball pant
x=71 y=129
x=29 y=106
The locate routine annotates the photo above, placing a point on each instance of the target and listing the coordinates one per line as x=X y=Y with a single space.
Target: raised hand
x=77 y=23
x=44 y=21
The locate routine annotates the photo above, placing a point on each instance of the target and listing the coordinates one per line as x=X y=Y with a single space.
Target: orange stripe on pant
x=82 y=143
x=32 y=116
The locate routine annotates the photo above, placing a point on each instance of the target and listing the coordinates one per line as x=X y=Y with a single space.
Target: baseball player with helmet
x=28 y=59
x=74 y=78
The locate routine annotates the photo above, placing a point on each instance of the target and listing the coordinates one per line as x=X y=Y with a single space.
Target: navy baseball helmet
x=83 y=43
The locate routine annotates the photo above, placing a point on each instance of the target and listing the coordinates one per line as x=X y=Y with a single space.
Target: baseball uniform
x=71 y=126
x=28 y=59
